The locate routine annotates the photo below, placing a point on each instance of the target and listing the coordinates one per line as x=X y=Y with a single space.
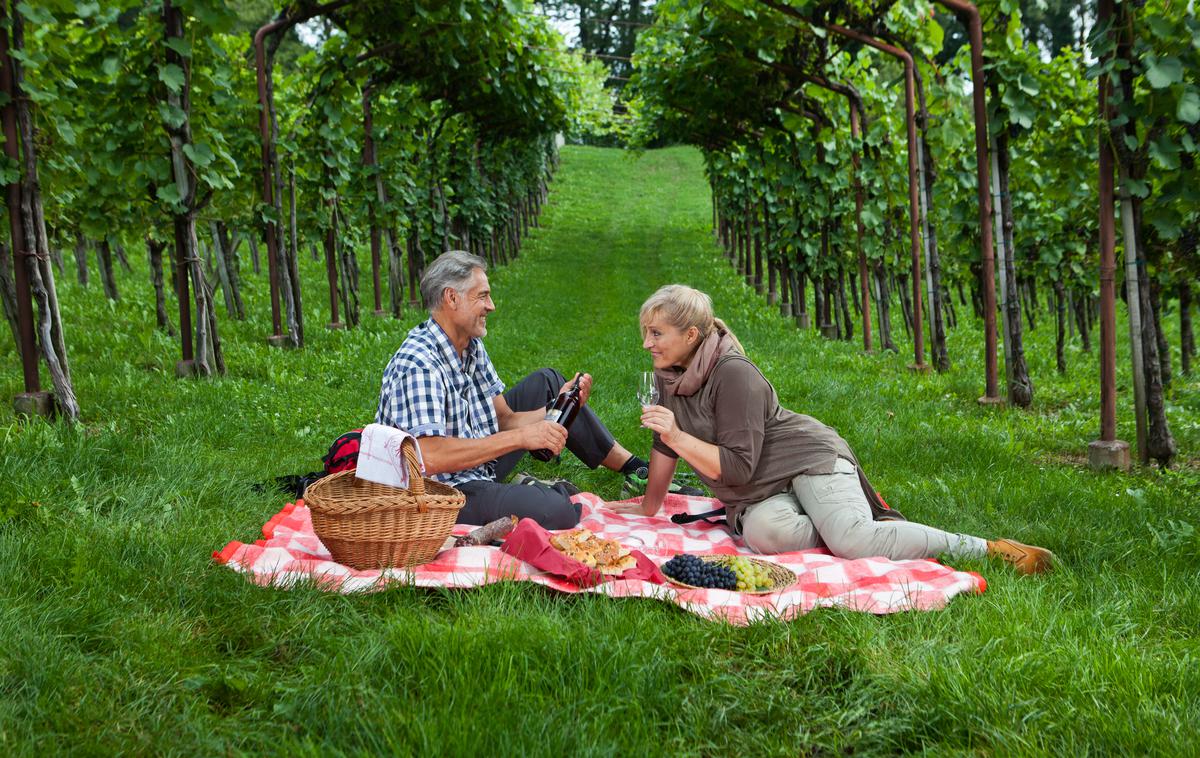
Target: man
x=441 y=387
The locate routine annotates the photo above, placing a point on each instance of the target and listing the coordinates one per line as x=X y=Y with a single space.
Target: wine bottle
x=562 y=412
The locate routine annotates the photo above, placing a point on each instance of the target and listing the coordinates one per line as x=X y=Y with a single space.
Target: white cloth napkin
x=380 y=459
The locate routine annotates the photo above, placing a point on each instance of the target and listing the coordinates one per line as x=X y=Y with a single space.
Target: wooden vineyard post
x=1107 y=452
x=969 y=14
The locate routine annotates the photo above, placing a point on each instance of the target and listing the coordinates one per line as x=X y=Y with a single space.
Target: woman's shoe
x=1026 y=559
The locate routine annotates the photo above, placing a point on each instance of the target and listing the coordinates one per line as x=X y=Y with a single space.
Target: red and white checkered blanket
x=292 y=553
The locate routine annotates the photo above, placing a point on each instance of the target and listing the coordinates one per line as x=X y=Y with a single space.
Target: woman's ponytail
x=720 y=326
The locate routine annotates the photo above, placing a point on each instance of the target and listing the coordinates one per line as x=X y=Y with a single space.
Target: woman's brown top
x=763 y=445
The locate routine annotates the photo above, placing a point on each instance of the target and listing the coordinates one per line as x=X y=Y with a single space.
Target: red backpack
x=343 y=453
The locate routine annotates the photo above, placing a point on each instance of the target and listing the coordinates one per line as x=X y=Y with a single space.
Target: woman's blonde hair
x=683 y=307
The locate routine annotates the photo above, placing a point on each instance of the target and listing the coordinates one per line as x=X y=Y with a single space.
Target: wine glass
x=647 y=390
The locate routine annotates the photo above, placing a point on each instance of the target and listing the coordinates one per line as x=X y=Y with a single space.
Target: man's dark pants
x=587 y=439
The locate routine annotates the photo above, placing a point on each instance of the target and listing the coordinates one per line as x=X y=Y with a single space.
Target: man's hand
x=585 y=388
x=544 y=434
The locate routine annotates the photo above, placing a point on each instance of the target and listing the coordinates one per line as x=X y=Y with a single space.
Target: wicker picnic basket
x=372 y=526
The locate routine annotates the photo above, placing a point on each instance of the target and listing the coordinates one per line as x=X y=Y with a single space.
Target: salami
x=488 y=533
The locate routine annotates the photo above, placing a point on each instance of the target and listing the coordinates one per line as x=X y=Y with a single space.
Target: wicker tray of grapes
x=737 y=573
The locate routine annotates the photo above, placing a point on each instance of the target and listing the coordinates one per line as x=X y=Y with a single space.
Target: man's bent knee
x=554 y=378
x=562 y=514
x=549 y=506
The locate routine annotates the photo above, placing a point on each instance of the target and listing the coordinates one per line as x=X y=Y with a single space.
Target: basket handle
x=416 y=482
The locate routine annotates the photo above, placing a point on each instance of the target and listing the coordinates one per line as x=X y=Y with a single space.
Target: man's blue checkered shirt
x=429 y=391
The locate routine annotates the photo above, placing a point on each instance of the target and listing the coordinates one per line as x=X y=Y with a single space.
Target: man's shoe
x=562 y=485
x=635 y=486
x=1026 y=559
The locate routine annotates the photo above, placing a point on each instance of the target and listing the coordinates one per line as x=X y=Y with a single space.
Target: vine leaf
x=199 y=153
x=172 y=76
x=1189 y=106
x=1164 y=72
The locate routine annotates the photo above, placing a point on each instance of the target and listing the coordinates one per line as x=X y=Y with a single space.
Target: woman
x=788 y=482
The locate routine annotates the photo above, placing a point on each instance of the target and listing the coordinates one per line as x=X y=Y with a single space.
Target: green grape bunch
x=751 y=576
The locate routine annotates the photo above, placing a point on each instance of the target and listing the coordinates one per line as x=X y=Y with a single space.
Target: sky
x=312 y=32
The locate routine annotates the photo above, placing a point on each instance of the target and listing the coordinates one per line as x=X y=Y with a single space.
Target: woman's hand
x=704 y=457
x=658 y=419
x=633 y=509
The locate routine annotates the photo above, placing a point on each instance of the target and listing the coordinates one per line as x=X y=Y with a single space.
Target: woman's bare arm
x=662 y=471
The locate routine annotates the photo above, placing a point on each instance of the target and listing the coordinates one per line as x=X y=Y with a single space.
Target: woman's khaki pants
x=831 y=511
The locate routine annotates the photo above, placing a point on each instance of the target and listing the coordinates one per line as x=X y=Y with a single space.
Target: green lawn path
x=119 y=635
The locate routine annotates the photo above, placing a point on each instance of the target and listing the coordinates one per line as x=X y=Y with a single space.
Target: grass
x=118 y=633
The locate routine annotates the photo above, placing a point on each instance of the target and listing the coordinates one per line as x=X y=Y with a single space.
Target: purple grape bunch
x=690 y=569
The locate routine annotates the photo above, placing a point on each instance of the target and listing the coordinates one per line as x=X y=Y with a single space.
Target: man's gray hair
x=451 y=269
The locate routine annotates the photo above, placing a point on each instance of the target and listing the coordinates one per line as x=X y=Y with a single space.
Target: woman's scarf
x=687 y=382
